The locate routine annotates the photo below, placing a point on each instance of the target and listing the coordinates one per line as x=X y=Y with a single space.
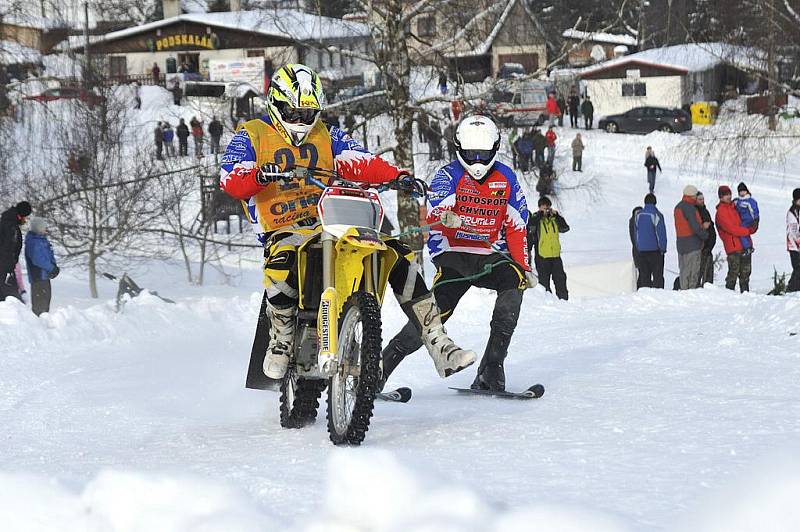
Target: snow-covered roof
x=286 y=23
x=31 y=21
x=12 y=52
x=695 y=57
x=478 y=35
x=607 y=38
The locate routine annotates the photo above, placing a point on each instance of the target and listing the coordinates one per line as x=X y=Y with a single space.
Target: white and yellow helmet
x=294 y=102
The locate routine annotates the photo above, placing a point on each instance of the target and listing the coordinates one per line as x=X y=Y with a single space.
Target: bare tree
x=96 y=210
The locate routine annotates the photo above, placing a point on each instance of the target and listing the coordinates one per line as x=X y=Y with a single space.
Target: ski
x=400 y=395
x=534 y=392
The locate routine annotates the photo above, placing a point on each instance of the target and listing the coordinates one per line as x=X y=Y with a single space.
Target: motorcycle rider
x=284 y=214
x=483 y=211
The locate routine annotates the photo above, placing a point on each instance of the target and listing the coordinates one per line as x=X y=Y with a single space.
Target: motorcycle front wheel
x=352 y=389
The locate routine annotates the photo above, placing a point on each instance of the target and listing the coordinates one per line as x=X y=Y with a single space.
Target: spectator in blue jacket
x=41 y=265
x=651 y=243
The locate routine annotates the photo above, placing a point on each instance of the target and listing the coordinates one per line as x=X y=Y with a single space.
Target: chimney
x=236 y=5
x=172 y=8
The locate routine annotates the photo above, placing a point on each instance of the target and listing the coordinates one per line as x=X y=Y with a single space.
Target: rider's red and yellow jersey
x=278 y=205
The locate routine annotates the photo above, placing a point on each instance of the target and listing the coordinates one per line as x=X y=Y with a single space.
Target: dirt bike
x=343 y=267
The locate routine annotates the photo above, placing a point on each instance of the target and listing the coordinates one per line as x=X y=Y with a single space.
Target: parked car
x=67 y=93
x=646 y=120
x=517 y=103
x=361 y=100
x=511 y=70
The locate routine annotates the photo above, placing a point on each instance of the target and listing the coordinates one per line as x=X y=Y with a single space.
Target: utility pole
x=771 y=70
x=87 y=67
x=642 y=25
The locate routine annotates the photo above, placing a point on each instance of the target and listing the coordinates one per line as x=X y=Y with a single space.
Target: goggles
x=295 y=115
x=477 y=156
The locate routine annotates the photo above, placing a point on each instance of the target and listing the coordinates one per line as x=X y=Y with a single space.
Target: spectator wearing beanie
x=691 y=232
x=544 y=227
x=730 y=230
x=793 y=240
x=10 y=247
x=651 y=243
x=41 y=264
x=747 y=207
x=635 y=252
x=707 y=255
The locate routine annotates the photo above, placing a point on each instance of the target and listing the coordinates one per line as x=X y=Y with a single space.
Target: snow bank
x=122 y=501
x=372 y=491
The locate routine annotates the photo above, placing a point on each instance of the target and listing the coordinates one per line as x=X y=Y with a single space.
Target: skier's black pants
x=651 y=269
x=448 y=289
x=552 y=267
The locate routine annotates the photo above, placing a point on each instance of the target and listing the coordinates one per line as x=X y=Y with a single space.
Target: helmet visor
x=477 y=156
x=295 y=115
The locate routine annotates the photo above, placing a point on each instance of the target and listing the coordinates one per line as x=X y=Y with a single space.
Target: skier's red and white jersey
x=493 y=210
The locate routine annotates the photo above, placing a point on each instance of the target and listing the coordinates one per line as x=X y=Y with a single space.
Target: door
x=635 y=120
x=653 y=119
x=188 y=63
x=118 y=67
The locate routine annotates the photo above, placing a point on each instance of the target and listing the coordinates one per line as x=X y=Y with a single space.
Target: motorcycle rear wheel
x=299 y=399
x=351 y=397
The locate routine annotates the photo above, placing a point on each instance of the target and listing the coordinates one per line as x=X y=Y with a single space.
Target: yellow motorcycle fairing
x=352 y=250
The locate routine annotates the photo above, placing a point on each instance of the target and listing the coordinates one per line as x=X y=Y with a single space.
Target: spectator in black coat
x=215 y=132
x=177 y=92
x=573 y=102
x=10 y=247
x=652 y=164
x=539 y=145
x=562 y=106
x=182 y=131
x=435 y=140
x=707 y=253
x=158 y=138
x=587 y=110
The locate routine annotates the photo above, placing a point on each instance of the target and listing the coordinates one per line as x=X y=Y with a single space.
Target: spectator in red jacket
x=552 y=108
x=729 y=227
x=551 y=137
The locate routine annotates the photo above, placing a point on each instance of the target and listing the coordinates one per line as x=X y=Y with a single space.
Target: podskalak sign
x=210 y=42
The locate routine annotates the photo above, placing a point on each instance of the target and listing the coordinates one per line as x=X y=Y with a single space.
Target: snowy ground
x=664 y=410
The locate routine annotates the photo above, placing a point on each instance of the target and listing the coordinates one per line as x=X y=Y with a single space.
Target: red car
x=88 y=97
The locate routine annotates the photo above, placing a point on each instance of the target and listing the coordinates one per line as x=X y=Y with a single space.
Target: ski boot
x=281 y=341
x=447 y=356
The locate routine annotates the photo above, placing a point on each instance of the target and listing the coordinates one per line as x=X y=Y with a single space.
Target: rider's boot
x=491 y=375
x=281 y=341
x=447 y=356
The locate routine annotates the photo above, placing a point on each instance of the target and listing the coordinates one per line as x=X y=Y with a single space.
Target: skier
x=482 y=211
x=10 y=247
x=291 y=134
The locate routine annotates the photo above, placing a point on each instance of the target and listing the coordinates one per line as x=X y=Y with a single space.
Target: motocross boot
x=491 y=374
x=281 y=341
x=447 y=356
x=403 y=344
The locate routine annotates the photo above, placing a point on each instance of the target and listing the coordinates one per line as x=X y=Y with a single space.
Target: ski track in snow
x=640 y=418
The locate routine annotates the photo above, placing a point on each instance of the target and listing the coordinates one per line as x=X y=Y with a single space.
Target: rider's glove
x=530 y=279
x=451 y=220
x=408 y=183
x=266 y=174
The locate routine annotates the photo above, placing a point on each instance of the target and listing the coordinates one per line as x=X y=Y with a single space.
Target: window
x=426 y=26
x=634 y=89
